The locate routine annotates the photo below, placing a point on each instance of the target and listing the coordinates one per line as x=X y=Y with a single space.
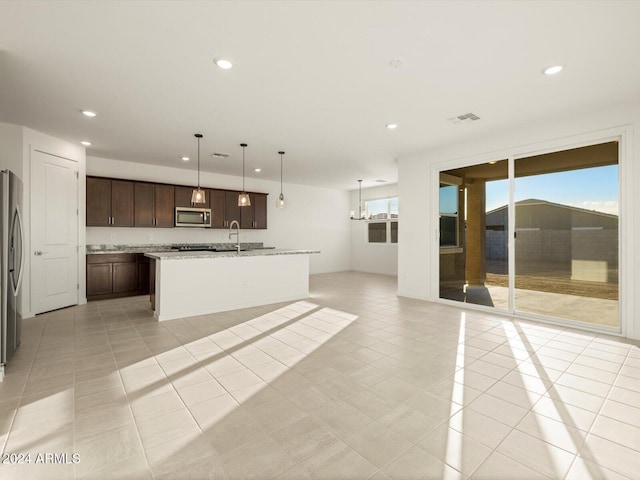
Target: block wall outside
x=556 y=245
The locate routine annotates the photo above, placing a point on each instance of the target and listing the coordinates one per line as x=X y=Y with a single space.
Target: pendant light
x=243 y=198
x=280 y=202
x=360 y=214
x=198 y=195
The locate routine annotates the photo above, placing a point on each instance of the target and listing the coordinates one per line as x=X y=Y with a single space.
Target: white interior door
x=54 y=232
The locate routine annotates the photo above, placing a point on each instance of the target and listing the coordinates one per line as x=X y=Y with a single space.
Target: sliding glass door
x=474 y=257
x=565 y=235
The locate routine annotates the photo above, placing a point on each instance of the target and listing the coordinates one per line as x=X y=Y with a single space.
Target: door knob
x=38 y=253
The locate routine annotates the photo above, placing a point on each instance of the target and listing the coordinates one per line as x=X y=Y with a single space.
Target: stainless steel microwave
x=193 y=217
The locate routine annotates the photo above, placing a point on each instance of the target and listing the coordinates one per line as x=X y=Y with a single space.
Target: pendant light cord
x=198 y=163
x=242 y=169
x=281 y=174
x=360 y=200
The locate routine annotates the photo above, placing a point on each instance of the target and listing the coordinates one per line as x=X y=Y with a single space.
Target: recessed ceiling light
x=381 y=181
x=392 y=126
x=89 y=113
x=85 y=143
x=396 y=63
x=257 y=170
x=553 y=70
x=223 y=63
x=185 y=159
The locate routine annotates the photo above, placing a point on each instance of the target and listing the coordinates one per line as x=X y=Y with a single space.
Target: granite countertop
x=171 y=247
x=249 y=253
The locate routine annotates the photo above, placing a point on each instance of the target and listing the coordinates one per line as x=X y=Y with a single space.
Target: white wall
x=372 y=257
x=11 y=149
x=417 y=180
x=16 y=145
x=315 y=218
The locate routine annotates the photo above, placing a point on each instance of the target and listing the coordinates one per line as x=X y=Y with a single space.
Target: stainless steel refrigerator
x=11 y=265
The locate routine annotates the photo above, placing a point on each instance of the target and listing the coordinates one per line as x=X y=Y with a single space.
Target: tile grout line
x=24 y=387
x=598 y=414
x=146 y=459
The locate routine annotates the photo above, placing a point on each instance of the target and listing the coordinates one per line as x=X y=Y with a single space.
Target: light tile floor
x=353 y=383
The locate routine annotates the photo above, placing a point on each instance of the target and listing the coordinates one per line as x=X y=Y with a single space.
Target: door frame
x=623 y=135
x=80 y=226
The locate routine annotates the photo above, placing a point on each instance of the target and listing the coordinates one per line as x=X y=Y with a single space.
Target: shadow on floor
x=478 y=295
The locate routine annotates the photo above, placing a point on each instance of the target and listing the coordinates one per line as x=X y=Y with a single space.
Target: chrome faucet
x=236 y=233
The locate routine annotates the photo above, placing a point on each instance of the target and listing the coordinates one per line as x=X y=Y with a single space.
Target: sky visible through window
x=589 y=188
x=382 y=206
x=449 y=199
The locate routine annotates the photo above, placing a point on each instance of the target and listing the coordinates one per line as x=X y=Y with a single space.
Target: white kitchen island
x=196 y=283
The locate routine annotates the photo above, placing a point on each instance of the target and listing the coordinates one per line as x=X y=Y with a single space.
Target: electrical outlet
x=112 y=237
x=151 y=237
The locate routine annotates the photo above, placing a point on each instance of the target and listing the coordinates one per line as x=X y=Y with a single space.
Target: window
x=394 y=232
x=384 y=208
x=382 y=224
x=448 y=215
x=382 y=232
x=377 y=232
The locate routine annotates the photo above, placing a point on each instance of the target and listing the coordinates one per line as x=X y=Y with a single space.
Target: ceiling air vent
x=220 y=155
x=466 y=118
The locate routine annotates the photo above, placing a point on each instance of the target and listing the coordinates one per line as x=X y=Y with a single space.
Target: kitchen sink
x=207 y=248
x=194 y=248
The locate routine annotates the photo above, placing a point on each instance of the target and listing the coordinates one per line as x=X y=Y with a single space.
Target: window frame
x=456 y=247
x=387 y=221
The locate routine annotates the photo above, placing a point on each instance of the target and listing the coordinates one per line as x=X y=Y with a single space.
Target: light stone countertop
x=248 y=253
x=164 y=247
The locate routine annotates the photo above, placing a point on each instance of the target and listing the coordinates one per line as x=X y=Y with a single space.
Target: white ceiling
x=311 y=78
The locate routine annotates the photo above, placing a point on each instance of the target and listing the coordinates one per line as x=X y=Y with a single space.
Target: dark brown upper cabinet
x=246 y=214
x=164 y=206
x=231 y=208
x=109 y=202
x=154 y=205
x=217 y=200
x=254 y=216
x=121 y=203
x=126 y=203
x=183 y=198
x=259 y=202
x=98 y=202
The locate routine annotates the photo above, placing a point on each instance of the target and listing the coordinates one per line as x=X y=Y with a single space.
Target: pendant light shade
x=280 y=203
x=198 y=195
x=243 y=198
x=360 y=213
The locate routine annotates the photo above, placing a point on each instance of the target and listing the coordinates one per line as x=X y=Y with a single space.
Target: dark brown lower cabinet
x=143 y=273
x=114 y=275
x=125 y=277
x=99 y=278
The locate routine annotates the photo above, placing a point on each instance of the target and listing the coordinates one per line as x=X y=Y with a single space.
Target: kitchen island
x=186 y=284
